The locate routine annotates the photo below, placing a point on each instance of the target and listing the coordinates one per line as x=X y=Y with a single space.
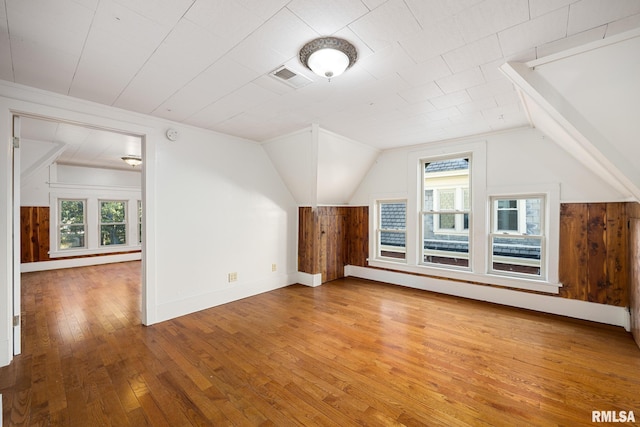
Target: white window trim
x=551 y=225
x=127 y=233
x=522 y=216
x=378 y=229
x=59 y=225
x=92 y=230
x=478 y=219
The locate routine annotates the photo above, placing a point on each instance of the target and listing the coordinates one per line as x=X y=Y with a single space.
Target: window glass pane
x=392 y=233
x=112 y=212
x=114 y=234
x=428 y=200
x=507 y=204
x=71 y=226
x=447 y=200
x=113 y=227
x=445 y=213
x=507 y=220
x=534 y=216
x=393 y=216
x=72 y=212
x=517 y=254
x=447 y=221
x=71 y=236
x=442 y=247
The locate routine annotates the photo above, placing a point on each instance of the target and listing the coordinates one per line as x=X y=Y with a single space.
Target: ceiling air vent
x=291 y=78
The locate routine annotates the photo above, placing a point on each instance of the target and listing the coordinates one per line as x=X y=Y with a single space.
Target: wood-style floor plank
x=349 y=353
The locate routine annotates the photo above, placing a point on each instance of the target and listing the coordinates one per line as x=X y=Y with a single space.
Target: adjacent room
x=303 y=212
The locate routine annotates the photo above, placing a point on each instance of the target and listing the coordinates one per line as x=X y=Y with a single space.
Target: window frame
x=60 y=224
x=520 y=234
x=125 y=222
x=379 y=230
x=458 y=211
x=479 y=220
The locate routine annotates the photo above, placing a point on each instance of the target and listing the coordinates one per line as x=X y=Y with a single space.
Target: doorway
x=56 y=161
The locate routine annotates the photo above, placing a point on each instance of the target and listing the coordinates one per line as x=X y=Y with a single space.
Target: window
x=445 y=212
x=113 y=223
x=72 y=224
x=517 y=236
x=392 y=229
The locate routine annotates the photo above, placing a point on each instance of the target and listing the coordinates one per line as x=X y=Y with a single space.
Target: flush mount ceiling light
x=328 y=56
x=132 y=161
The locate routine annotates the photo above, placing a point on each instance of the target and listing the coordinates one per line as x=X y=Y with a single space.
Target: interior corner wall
x=213 y=205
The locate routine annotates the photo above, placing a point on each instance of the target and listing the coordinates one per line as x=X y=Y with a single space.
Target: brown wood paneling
x=573 y=251
x=594 y=247
x=594 y=251
x=597 y=263
x=634 y=276
x=306 y=239
x=617 y=266
x=633 y=215
x=331 y=237
x=358 y=236
x=34 y=234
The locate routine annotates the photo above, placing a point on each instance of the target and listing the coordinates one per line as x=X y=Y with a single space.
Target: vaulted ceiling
x=427 y=70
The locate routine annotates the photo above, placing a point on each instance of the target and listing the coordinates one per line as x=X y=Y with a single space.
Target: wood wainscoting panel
x=330 y=237
x=34 y=234
x=306 y=238
x=594 y=248
x=617 y=260
x=634 y=270
x=358 y=239
x=573 y=251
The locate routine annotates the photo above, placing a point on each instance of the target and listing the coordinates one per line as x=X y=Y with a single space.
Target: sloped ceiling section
x=320 y=167
x=587 y=100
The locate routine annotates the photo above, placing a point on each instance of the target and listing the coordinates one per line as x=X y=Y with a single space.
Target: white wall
x=221 y=208
x=519 y=157
x=320 y=167
x=214 y=204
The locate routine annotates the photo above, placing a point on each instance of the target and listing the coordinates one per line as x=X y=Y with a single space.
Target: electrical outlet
x=233 y=277
x=273 y=267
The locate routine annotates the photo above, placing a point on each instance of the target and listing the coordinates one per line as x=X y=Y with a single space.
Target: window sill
x=468 y=276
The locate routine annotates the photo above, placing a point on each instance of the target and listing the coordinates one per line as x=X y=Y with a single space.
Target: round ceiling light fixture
x=328 y=56
x=132 y=160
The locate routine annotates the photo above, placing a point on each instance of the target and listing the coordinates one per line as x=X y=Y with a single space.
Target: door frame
x=13 y=211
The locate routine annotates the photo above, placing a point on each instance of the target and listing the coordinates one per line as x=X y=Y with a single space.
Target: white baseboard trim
x=308 y=279
x=78 y=262
x=601 y=313
x=6 y=352
x=222 y=295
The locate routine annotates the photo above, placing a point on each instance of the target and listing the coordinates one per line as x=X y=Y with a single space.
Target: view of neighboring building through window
x=517 y=235
x=113 y=222
x=72 y=224
x=445 y=212
x=392 y=229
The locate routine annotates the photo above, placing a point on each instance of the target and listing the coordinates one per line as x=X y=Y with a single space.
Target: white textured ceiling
x=427 y=70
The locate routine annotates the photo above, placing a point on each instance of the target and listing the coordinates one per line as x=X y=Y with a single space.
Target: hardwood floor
x=350 y=352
